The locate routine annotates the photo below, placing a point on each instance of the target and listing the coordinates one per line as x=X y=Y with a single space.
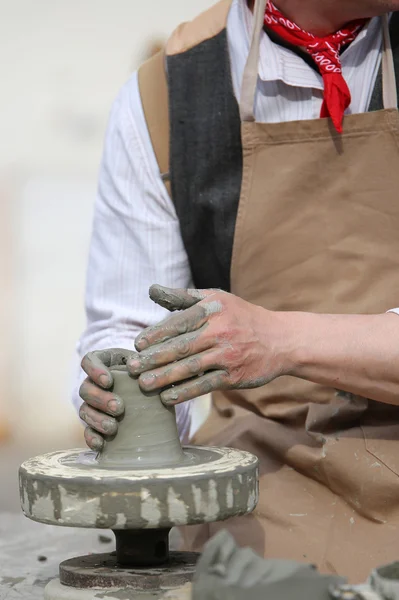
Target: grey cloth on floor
x=227 y=572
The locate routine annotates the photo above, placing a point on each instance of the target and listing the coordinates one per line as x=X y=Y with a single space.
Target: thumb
x=177 y=299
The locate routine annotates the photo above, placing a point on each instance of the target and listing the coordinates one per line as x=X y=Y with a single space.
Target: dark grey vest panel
x=376 y=100
x=205 y=157
x=206 y=153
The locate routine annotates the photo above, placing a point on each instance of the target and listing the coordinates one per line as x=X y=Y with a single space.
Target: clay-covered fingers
x=169 y=352
x=93 y=439
x=101 y=406
x=96 y=364
x=182 y=370
x=199 y=386
x=176 y=299
x=97 y=420
x=181 y=323
x=102 y=400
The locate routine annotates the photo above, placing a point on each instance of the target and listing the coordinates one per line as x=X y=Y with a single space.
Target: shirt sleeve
x=135 y=242
x=394 y=310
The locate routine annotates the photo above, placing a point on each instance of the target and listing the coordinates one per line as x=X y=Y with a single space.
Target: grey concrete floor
x=31 y=552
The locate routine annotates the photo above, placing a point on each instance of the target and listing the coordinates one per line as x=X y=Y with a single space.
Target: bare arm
x=229 y=343
x=353 y=353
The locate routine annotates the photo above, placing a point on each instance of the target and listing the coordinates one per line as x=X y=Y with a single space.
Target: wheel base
x=55 y=590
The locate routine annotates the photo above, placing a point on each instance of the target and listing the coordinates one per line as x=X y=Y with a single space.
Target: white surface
x=22 y=575
x=52 y=221
x=62 y=64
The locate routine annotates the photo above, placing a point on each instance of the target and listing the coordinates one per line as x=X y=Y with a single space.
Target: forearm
x=353 y=353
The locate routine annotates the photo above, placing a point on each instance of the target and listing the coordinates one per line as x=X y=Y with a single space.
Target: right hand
x=101 y=406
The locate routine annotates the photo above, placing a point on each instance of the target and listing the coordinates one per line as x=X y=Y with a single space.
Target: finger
x=179 y=371
x=95 y=364
x=107 y=402
x=177 y=299
x=97 y=420
x=93 y=439
x=210 y=382
x=187 y=321
x=169 y=352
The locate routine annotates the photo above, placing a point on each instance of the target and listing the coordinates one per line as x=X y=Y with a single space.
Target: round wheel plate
x=102 y=571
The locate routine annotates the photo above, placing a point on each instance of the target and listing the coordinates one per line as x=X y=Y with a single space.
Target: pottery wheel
x=141 y=485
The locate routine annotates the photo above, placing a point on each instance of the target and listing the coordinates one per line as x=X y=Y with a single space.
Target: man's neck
x=323 y=17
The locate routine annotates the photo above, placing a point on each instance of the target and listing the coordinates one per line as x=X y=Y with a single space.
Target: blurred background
x=62 y=64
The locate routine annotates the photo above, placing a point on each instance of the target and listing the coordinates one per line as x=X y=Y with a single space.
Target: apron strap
x=389 y=91
x=154 y=95
x=250 y=78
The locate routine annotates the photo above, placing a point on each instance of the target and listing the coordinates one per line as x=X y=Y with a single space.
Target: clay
x=175 y=299
x=142 y=479
x=147 y=434
x=385 y=581
x=227 y=572
x=179 y=299
x=141 y=484
x=70 y=488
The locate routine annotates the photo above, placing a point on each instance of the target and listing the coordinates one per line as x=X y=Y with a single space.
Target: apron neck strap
x=250 y=78
x=389 y=91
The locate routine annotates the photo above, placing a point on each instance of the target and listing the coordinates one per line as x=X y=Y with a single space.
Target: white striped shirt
x=136 y=239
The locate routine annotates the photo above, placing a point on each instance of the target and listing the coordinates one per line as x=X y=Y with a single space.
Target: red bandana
x=325 y=52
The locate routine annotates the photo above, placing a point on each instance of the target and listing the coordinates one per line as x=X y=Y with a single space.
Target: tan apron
x=317 y=230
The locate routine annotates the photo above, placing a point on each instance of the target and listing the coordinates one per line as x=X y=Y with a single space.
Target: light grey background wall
x=62 y=63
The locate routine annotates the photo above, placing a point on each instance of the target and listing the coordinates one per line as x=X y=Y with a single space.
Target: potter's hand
x=100 y=406
x=218 y=341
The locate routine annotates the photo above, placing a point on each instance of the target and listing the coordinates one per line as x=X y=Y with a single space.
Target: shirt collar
x=279 y=63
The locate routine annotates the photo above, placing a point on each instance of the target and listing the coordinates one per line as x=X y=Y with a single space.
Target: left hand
x=218 y=341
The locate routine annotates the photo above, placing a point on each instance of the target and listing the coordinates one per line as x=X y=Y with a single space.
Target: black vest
x=206 y=153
